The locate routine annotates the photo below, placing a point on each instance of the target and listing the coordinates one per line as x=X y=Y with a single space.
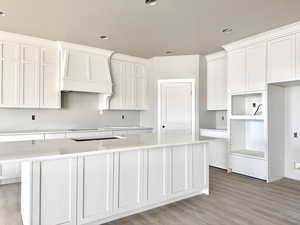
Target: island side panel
x=66 y=190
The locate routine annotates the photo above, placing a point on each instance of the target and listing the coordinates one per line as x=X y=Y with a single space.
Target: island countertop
x=35 y=150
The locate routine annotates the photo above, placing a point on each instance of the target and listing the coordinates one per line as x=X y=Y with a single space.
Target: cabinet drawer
x=88 y=134
x=249 y=166
x=25 y=137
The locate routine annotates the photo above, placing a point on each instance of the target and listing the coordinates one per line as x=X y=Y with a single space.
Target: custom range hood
x=86 y=69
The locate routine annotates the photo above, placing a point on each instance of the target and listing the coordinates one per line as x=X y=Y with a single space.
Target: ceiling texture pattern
x=182 y=26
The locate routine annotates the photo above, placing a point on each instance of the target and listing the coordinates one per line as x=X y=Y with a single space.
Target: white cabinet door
x=10 y=66
x=50 y=95
x=180 y=169
x=298 y=56
x=256 y=63
x=130 y=91
x=128 y=180
x=220 y=154
x=216 y=84
x=95 y=187
x=199 y=171
x=58 y=192
x=141 y=87
x=29 y=76
x=281 y=59
x=159 y=174
x=237 y=70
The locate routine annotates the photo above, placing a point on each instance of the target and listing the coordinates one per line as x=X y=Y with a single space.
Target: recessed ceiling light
x=169 y=52
x=151 y=2
x=104 y=37
x=227 y=30
x=2 y=13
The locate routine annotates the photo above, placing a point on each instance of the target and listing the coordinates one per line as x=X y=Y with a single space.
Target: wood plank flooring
x=234 y=200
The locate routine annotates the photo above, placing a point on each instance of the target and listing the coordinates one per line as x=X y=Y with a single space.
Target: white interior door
x=176 y=107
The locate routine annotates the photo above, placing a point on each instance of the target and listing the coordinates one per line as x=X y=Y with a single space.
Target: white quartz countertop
x=34 y=150
x=38 y=131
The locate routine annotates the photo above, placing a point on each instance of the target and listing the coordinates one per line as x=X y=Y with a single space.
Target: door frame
x=159 y=100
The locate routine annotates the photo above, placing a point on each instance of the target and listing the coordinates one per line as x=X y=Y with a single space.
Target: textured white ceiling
x=183 y=26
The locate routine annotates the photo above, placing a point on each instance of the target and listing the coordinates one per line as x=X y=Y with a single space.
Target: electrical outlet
x=295 y=134
x=32 y=117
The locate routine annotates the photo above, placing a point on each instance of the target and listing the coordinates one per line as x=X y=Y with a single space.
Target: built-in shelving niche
x=247 y=106
x=248 y=138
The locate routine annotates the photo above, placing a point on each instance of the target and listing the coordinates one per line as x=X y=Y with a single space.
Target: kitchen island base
x=96 y=188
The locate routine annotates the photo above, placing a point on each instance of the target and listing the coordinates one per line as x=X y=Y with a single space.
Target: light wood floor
x=234 y=200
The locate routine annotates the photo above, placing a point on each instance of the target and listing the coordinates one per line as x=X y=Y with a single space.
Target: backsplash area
x=79 y=110
x=221 y=119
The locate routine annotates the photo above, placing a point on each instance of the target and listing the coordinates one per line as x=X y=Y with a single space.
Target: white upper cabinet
x=9 y=71
x=29 y=71
x=216 y=81
x=247 y=68
x=256 y=62
x=129 y=83
x=50 y=95
x=29 y=76
x=85 y=69
x=237 y=70
x=281 y=59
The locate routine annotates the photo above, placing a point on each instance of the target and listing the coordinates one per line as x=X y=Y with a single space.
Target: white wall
x=178 y=67
x=292 y=151
x=79 y=111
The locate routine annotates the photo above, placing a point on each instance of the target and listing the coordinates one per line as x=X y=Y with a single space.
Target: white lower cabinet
x=218 y=154
x=95 y=187
x=101 y=187
x=158 y=174
x=128 y=180
x=252 y=167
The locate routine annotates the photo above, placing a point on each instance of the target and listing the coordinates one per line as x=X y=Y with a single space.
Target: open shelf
x=247 y=105
x=249 y=153
x=247 y=117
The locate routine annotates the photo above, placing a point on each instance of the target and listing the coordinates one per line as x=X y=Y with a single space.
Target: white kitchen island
x=93 y=182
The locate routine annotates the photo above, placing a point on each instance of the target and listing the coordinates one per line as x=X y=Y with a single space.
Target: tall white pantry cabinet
x=29 y=71
x=257 y=68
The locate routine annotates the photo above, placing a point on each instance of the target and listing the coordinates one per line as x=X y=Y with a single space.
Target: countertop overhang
x=48 y=149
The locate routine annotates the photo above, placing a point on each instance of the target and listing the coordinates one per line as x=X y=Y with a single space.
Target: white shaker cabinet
x=50 y=95
x=49 y=190
x=29 y=71
x=236 y=70
x=281 y=59
x=9 y=71
x=256 y=66
x=129 y=83
x=216 y=81
x=95 y=187
x=29 y=76
x=247 y=68
x=128 y=180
